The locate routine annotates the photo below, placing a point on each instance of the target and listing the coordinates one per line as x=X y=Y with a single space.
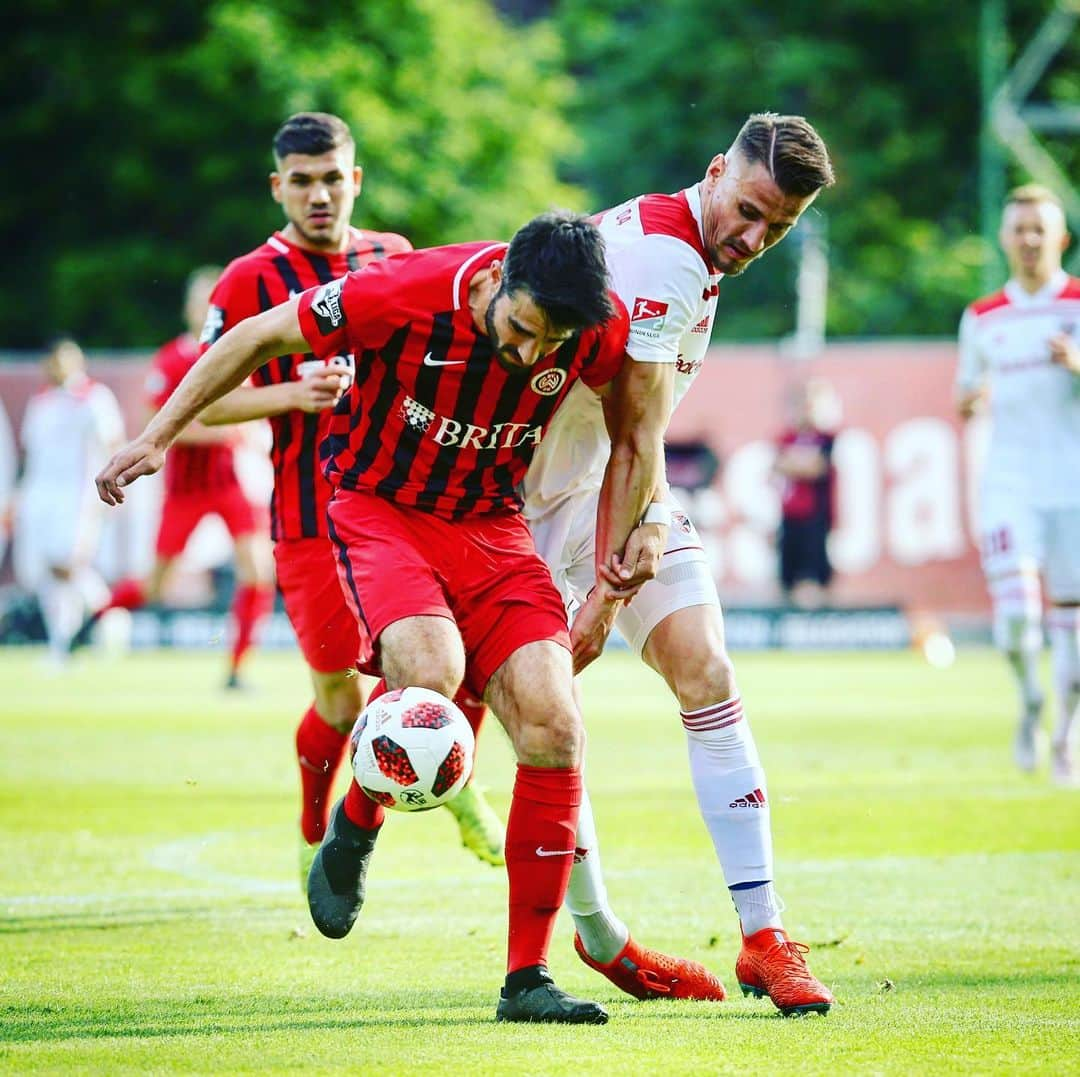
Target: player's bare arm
x=241 y=351
x=969 y=403
x=637 y=405
x=315 y=393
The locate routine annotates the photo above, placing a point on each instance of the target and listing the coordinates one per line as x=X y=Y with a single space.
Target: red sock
x=361 y=809
x=539 y=855
x=250 y=604
x=128 y=594
x=319 y=748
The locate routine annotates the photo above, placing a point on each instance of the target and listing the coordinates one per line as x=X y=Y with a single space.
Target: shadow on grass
x=53 y=1022
x=120 y=918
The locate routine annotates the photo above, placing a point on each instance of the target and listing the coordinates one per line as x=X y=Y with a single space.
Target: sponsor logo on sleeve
x=548 y=382
x=212 y=327
x=326 y=306
x=647 y=317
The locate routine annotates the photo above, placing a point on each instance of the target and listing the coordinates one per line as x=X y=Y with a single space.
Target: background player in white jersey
x=667 y=254
x=68 y=432
x=1020 y=347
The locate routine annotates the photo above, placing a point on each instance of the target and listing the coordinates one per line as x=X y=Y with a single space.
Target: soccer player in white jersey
x=68 y=431
x=1020 y=347
x=667 y=254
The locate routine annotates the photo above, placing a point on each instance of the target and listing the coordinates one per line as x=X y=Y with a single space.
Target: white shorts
x=53 y=530
x=565 y=539
x=1014 y=537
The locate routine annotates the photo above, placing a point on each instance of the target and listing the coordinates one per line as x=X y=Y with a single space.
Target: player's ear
x=275 y=186
x=358 y=179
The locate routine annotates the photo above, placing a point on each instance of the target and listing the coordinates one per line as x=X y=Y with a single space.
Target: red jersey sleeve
x=163 y=377
x=234 y=298
x=357 y=311
x=609 y=358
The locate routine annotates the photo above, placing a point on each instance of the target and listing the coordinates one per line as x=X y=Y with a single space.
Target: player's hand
x=970 y=404
x=130 y=463
x=593 y=625
x=639 y=563
x=320 y=391
x=1065 y=352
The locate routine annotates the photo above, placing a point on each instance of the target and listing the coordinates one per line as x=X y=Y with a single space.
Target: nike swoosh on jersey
x=541 y=851
x=429 y=361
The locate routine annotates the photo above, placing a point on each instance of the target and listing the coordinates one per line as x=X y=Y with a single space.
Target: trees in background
x=137 y=138
x=139 y=142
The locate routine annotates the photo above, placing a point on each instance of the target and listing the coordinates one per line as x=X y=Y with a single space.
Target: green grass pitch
x=151 y=919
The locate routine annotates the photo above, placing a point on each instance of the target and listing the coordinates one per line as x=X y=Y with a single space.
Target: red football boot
x=646 y=973
x=771 y=964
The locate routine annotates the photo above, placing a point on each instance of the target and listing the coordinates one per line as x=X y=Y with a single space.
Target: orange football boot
x=771 y=964
x=646 y=973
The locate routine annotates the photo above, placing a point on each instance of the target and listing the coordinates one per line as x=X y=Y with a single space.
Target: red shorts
x=324 y=625
x=182 y=513
x=482 y=573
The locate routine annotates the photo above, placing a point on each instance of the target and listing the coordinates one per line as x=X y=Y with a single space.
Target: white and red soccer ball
x=411 y=749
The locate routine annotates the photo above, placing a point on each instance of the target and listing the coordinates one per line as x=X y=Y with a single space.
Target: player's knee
x=1017 y=631
x=548 y=737
x=703 y=679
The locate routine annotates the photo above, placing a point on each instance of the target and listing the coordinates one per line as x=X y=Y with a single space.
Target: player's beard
x=497 y=346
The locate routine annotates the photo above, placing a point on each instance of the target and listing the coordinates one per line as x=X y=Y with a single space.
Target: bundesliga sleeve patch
x=647 y=317
x=215 y=322
x=326 y=307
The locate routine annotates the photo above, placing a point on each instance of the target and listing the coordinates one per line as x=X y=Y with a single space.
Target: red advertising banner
x=905 y=490
x=905 y=467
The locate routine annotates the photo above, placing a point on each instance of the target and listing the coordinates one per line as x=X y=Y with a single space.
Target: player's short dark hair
x=789 y=147
x=312 y=134
x=558 y=258
x=1033 y=194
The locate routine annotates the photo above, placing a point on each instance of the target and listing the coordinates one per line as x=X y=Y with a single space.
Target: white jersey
x=662 y=273
x=1034 y=403
x=67 y=435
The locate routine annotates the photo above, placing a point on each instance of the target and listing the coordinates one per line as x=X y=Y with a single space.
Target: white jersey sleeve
x=971 y=367
x=660 y=279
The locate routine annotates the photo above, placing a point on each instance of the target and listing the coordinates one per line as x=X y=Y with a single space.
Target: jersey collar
x=1020 y=297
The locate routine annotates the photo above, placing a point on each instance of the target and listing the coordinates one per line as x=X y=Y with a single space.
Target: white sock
x=1064 y=625
x=733 y=799
x=62 y=611
x=602 y=933
x=1017 y=602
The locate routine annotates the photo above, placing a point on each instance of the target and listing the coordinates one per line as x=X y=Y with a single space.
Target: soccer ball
x=411 y=749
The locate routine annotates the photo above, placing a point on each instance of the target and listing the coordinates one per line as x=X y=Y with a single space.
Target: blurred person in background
x=8 y=470
x=667 y=254
x=1020 y=353
x=68 y=431
x=316 y=181
x=200 y=481
x=807 y=479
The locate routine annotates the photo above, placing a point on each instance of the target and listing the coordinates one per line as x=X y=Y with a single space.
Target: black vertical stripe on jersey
x=305 y=459
x=379 y=412
x=499 y=479
x=481 y=360
x=439 y=342
x=279 y=424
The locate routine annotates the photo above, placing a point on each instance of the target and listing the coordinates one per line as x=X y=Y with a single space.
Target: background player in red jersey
x=466 y=353
x=200 y=481
x=315 y=181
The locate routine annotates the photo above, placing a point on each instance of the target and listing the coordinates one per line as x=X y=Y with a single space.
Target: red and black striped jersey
x=432 y=419
x=189 y=469
x=269 y=275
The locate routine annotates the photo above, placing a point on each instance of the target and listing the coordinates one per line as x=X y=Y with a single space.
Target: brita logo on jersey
x=466 y=435
x=326 y=306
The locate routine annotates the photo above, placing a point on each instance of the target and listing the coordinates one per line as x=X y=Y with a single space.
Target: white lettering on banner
x=855 y=544
x=923 y=501
x=755 y=509
x=500 y=436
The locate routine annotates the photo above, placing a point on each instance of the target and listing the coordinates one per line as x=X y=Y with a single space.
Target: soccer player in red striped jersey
x=462 y=355
x=316 y=181
x=201 y=481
